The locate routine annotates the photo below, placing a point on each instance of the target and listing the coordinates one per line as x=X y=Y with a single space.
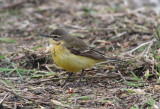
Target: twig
x=145 y=52
x=130 y=30
x=141 y=45
x=119 y=35
x=121 y=14
x=132 y=103
x=48 y=68
x=148 y=48
x=121 y=75
x=75 y=27
x=60 y=104
x=1 y=101
x=24 y=97
x=75 y=77
x=13 y=92
x=14 y=4
x=86 y=77
x=149 y=19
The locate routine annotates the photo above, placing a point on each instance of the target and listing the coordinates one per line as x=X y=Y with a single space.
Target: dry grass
x=30 y=79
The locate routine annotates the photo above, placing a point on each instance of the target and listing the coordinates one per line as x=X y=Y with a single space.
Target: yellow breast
x=70 y=62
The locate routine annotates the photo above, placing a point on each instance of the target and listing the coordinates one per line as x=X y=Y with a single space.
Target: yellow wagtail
x=71 y=53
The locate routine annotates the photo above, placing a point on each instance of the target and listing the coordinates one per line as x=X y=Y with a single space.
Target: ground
x=31 y=80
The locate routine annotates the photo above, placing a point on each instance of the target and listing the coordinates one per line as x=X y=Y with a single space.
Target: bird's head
x=58 y=35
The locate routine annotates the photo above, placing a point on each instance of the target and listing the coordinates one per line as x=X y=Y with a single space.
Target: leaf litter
x=30 y=79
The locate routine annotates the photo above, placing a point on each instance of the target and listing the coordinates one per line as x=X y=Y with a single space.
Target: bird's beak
x=45 y=35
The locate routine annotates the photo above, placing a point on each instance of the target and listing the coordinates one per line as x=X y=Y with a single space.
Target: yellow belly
x=71 y=62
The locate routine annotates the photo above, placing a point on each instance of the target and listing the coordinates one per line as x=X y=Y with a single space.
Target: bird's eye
x=55 y=36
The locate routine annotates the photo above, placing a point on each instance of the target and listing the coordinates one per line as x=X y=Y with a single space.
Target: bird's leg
x=65 y=81
x=81 y=76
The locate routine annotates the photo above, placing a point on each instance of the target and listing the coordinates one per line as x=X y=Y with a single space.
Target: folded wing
x=88 y=52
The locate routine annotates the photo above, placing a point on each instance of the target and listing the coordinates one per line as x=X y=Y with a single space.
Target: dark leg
x=65 y=81
x=81 y=77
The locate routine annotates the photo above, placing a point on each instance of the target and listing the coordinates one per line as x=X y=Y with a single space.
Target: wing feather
x=88 y=52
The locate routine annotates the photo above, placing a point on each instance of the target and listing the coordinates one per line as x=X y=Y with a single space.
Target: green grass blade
x=9 y=83
x=20 y=70
x=8 y=40
x=135 y=76
x=2 y=56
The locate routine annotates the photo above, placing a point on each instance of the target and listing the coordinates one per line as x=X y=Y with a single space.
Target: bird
x=72 y=53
